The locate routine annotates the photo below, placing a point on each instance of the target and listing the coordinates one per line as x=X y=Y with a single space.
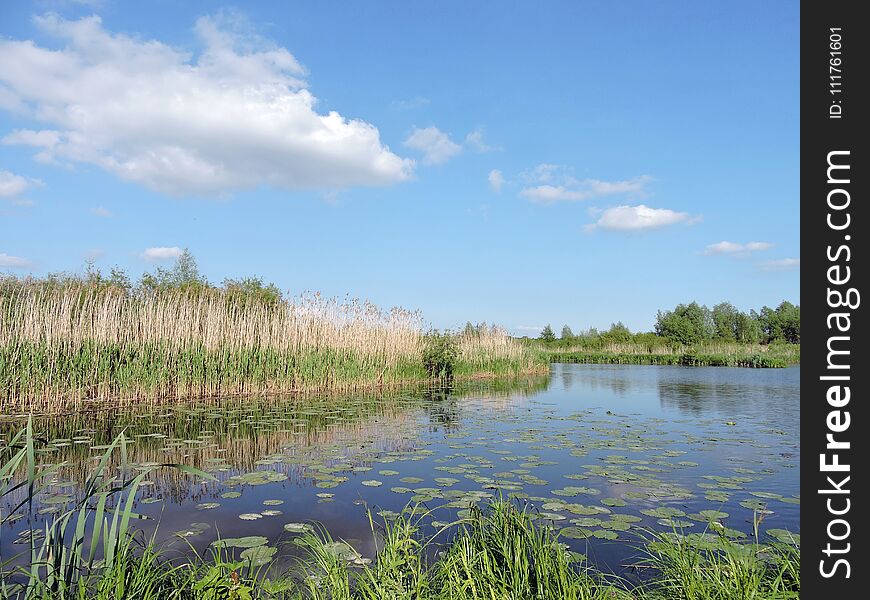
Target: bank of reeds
x=63 y=344
x=709 y=354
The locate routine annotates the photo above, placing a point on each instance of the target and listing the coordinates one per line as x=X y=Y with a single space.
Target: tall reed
x=63 y=344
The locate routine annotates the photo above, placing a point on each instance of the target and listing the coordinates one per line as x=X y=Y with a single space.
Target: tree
x=724 y=317
x=547 y=334
x=567 y=334
x=747 y=330
x=618 y=332
x=789 y=317
x=687 y=324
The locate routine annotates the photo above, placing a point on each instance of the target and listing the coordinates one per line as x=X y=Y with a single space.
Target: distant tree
x=687 y=324
x=547 y=334
x=252 y=289
x=724 y=317
x=185 y=272
x=119 y=279
x=617 y=333
x=747 y=330
x=789 y=317
x=566 y=334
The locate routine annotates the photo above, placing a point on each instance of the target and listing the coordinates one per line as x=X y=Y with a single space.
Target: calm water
x=601 y=451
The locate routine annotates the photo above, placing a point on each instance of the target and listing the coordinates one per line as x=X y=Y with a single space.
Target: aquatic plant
x=60 y=345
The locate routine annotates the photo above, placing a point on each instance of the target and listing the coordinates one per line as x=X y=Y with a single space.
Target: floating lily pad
x=249 y=541
x=613 y=502
x=785 y=536
x=207 y=505
x=663 y=512
x=259 y=555
x=250 y=516
x=297 y=527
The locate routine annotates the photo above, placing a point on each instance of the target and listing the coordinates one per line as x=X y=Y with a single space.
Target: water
x=599 y=450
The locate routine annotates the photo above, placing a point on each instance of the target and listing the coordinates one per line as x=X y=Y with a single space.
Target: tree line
x=693 y=323
x=183 y=276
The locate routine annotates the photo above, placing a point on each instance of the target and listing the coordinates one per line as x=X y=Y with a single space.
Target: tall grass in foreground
x=60 y=345
x=725 y=571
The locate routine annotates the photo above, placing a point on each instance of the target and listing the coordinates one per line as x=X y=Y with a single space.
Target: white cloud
x=102 y=212
x=475 y=141
x=496 y=180
x=161 y=253
x=415 y=102
x=736 y=249
x=435 y=145
x=638 y=218
x=555 y=186
x=536 y=328
x=12 y=185
x=14 y=262
x=782 y=264
x=234 y=116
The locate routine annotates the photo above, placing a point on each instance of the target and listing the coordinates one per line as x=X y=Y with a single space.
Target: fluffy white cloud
x=496 y=180
x=14 y=262
x=782 y=264
x=101 y=212
x=435 y=145
x=575 y=190
x=236 y=115
x=12 y=185
x=161 y=253
x=736 y=249
x=638 y=218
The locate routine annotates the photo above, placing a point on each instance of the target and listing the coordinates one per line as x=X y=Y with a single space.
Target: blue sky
x=511 y=162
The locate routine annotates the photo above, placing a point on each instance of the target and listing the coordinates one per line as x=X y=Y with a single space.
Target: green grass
x=775 y=355
x=44 y=376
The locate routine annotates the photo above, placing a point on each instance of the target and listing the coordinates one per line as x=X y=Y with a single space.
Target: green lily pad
x=250 y=541
x=258 y=555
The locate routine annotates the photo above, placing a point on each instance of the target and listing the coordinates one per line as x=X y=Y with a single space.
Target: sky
x=519 y=163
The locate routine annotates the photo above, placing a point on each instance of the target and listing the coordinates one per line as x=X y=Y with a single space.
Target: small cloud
x=536 y=328
x=555 y=187
x=161 y=253
x=638 y=218
x=14 y=262
x=102 y=212
x=435 y=145
x=12 y=186
x=544 y=173
x=475 y=141
x=496 y=180
x=415 y=102
x=782 y=264
x=736 y=249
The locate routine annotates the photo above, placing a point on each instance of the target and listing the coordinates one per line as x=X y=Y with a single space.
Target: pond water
x=602 y=452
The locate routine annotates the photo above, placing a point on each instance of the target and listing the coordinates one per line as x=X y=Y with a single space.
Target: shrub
x=440 y=351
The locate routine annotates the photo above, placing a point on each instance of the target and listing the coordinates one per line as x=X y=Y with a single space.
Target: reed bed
x=62 y=345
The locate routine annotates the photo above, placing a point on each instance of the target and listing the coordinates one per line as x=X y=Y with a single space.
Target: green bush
x=440 y=353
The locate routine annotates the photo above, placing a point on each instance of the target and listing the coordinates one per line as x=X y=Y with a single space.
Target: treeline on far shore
x=690 y=334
